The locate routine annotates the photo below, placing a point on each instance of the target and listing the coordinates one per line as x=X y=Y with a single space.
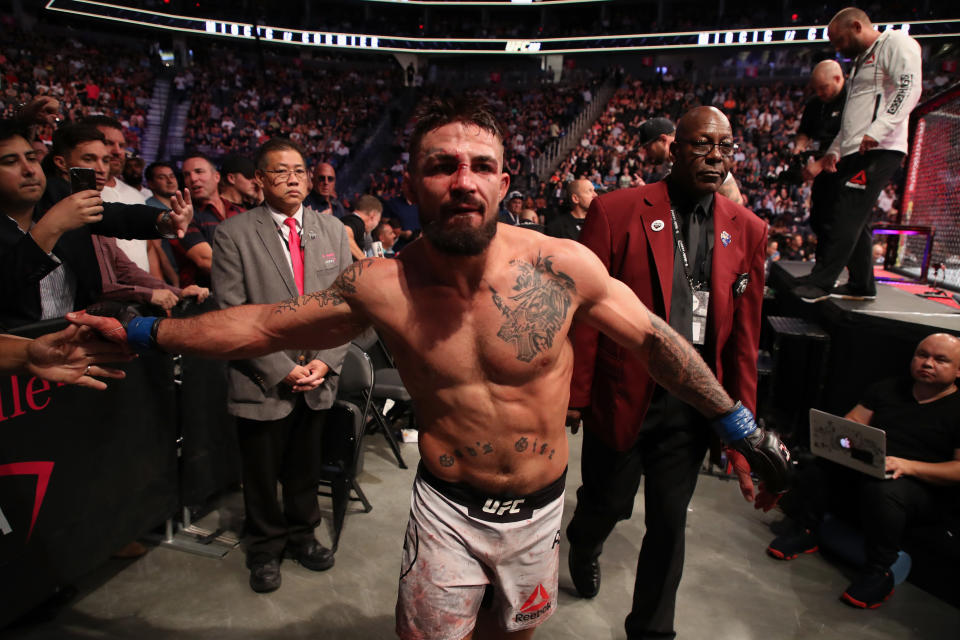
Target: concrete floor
x=731 y=590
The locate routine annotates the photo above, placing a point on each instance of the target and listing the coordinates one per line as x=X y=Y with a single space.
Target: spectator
x=512 y=206
x=580 y=194
x=121 y=278
x=386 y=236
x=116 y=190
x=237 y=184
x=323 y=196
x=46 y=255
x=193 y=251
x=132 y=175
x=365 y=217
x=280 y=399
x=407 y=214
x=162 y=182
x=921 y=418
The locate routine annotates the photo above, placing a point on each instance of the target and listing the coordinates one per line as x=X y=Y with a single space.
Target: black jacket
x=23 y=263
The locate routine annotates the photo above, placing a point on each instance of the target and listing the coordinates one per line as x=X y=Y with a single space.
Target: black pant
x=669 y=456
x=823 y=193
x=881 y=509
x=285 y=450
x=845 y=239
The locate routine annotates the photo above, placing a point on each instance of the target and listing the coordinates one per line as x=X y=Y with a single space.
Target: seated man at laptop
x=921 y=418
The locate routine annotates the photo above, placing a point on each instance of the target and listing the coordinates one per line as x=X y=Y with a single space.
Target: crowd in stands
x=764 y=118
x=87 y=75
x=238 y=101
x=325 y=109
x=534 y=118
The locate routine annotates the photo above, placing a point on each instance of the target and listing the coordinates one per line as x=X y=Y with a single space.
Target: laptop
x=854 y=445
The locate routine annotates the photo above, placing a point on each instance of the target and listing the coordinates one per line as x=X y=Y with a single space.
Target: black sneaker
x=790 y=546
x=844 y=292
x=810 y=293
x=265 y=576
x=870 y=590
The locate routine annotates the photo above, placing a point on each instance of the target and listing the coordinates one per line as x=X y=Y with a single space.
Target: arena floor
x=731 y=589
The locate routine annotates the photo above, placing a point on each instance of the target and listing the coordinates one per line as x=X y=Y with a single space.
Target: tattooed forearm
x=676 y=366
x=344 y=285
x=473 y=451
x=537 y=312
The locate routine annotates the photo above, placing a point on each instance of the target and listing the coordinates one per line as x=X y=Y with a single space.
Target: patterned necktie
x=296 y=253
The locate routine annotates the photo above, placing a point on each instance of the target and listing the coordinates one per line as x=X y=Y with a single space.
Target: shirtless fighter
x=476 y=315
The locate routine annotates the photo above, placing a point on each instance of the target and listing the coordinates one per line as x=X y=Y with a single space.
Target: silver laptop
x=854 y=445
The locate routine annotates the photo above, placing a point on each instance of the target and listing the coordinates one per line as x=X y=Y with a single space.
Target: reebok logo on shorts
x=859 y=181
x=537 y=604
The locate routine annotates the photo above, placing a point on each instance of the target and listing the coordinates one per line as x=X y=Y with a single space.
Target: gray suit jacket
x=250 y=267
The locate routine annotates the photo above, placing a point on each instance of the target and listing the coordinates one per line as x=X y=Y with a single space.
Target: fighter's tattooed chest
x=534 y=311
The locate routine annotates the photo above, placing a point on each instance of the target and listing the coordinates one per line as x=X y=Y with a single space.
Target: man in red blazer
x=633 y=427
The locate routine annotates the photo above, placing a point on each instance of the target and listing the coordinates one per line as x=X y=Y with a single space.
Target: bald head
x=695 y=118
x=826 y=80
x=847 y=16
x=582 y=193
x=699 y=165
x=851 y=32
x=936 y=362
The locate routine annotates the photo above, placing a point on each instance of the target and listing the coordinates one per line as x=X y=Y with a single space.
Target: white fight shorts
x=461 y=541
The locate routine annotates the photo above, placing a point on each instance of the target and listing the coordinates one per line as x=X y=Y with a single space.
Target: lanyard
x=683 y=250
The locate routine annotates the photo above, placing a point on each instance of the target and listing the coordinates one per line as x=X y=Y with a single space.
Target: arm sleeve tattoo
x=676 y=366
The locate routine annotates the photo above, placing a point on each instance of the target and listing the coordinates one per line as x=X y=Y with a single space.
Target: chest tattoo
x=535 y=313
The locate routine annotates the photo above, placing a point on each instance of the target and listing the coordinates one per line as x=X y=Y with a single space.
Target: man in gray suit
x=268 y=254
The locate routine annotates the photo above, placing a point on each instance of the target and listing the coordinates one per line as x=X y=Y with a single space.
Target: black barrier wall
x=82 y=473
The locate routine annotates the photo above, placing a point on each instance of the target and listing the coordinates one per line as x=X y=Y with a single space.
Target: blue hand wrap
x=138 y=332
x=735 y=425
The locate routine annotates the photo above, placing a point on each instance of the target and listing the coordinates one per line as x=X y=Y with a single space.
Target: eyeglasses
x=326 y=178
x=705 y=147
x=279 y=175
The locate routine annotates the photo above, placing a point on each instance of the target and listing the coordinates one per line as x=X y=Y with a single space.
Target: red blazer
x=613 y=382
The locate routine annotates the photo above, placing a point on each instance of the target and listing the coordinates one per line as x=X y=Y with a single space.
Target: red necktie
x=296 y=253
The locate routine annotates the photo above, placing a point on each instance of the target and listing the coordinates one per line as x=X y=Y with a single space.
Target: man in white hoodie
x=884 y=88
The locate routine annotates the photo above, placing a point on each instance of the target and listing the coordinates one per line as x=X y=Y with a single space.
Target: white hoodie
x=884 y=87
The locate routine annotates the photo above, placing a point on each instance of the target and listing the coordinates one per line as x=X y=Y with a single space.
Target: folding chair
x=343 y=435
x=387 y=386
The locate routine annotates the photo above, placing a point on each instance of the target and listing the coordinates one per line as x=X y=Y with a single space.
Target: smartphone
x=82 y=179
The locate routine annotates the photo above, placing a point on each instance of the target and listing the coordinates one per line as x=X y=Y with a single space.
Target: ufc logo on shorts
x=499 y=508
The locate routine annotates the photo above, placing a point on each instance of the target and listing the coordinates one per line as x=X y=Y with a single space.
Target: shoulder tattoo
x=344 y=285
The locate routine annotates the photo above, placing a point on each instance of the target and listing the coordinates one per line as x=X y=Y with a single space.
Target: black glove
x=768 y=457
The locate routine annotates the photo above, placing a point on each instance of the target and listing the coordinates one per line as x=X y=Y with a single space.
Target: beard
x=459 y=241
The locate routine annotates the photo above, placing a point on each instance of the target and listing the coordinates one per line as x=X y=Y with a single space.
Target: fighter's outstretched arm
x=611 y=307
x=318 y=320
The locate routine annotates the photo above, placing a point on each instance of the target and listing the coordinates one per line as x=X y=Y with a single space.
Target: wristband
x=736 y=424
x=141 y=332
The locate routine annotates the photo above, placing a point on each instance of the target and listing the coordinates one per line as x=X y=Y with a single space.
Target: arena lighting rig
x=486 y=46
